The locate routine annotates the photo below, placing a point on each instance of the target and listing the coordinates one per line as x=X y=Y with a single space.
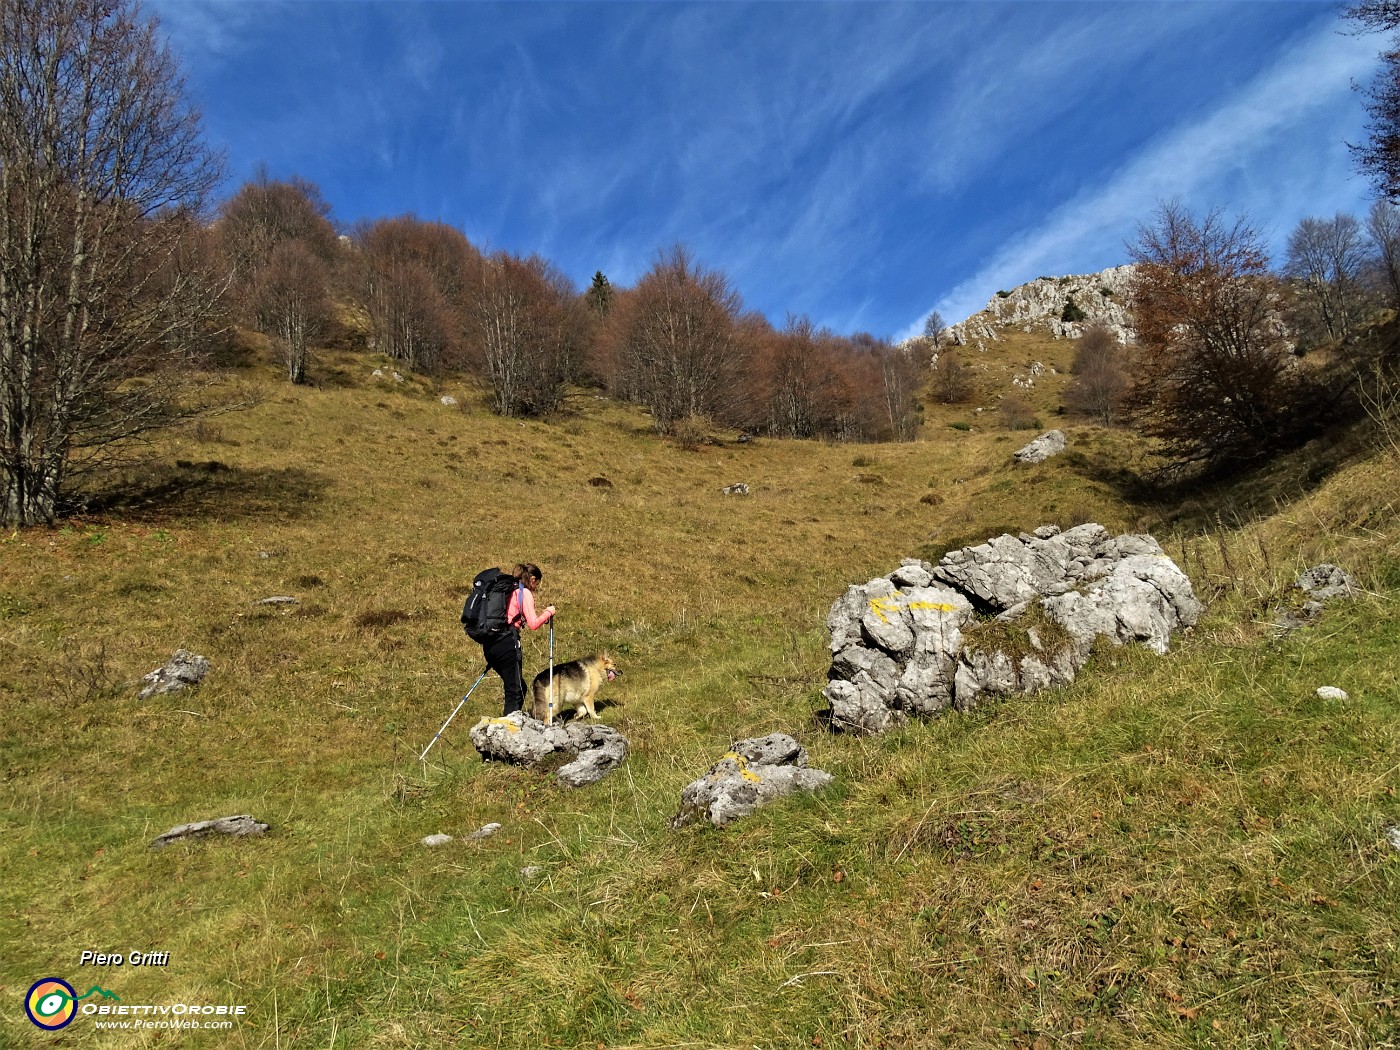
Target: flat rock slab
x=754 y=773
x=524 y=741
x=185 y=669
x=240 y=826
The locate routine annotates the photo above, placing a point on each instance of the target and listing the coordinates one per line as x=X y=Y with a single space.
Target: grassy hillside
x=1188 y=850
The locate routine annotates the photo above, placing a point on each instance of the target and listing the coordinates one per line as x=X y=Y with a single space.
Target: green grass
x=1178 y=851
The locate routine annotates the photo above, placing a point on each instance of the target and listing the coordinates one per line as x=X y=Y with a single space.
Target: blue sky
x=857 y=162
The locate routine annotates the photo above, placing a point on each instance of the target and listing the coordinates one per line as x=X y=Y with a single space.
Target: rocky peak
x=1096 y=298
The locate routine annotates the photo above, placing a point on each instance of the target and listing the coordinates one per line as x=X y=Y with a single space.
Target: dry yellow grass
x=1179 y=851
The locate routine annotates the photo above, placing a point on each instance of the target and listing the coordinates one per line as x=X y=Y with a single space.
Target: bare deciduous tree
x=1014 y=413
x=1327 y=258
x=289 y=303
x=415 y=277
x=952 y=380
x=902 y=373
x=1379 y=158
x=935 y=330
x=528 y=326
x=677 y=342
x=1214 y=378
x=1383 y=226
x=102 y=174
x=1100 y=380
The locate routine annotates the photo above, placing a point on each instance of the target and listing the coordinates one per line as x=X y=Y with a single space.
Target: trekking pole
x=453 y=715
x=550 y=719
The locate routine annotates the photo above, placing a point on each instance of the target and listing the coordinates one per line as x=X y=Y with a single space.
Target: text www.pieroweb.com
x=182 y=1024
x=147 y=1018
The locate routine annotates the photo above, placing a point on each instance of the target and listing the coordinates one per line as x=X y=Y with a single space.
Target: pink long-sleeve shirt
x=516 y=615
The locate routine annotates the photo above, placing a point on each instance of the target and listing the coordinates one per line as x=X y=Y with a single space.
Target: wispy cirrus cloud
x=1210 y=161
x=851 y=161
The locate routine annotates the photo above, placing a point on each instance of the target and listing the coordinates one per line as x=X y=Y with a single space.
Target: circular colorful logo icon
x=51 y=1003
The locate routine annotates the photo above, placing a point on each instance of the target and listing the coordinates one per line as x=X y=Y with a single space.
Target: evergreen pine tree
x=599 y=295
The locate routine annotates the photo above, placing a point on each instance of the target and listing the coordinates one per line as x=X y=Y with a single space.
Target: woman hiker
x=502 y=652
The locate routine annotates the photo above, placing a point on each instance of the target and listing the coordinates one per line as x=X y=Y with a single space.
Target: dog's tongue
x=611 y=675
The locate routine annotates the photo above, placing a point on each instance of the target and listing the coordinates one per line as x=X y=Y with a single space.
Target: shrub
x=1100 y=381
x=1015 y=414
x=952 y=381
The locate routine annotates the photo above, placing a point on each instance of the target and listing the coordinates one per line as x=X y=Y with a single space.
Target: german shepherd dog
x=575 y=685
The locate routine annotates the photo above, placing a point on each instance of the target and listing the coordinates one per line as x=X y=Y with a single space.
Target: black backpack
x=484 y=614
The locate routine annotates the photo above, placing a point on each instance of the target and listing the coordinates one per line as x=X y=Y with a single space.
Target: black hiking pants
x=504 y=657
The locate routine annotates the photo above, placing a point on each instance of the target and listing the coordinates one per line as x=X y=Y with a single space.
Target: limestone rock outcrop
x=1013 y=615
x=240 y=826
x=1045 y=303
x=1051 y=443
x=1312 y=590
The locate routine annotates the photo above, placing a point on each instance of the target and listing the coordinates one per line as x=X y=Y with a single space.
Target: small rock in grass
x=484 y=832
x=1325 y=582
x=530 y=872
x=1331 y=692
x=1392 y=835
x=436 y=840
x=185 y=669
x=238 y=826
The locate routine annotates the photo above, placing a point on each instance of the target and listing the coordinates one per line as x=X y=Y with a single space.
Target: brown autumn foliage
x=803 y=387
x=414 y=278
x=282 y=247
x=1100 y=377
x=674 y=343
x=528 y=330
x=267 y=212
x=1215 y=380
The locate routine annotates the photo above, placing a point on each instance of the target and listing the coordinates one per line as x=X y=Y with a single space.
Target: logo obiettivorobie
x=51 y=1003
